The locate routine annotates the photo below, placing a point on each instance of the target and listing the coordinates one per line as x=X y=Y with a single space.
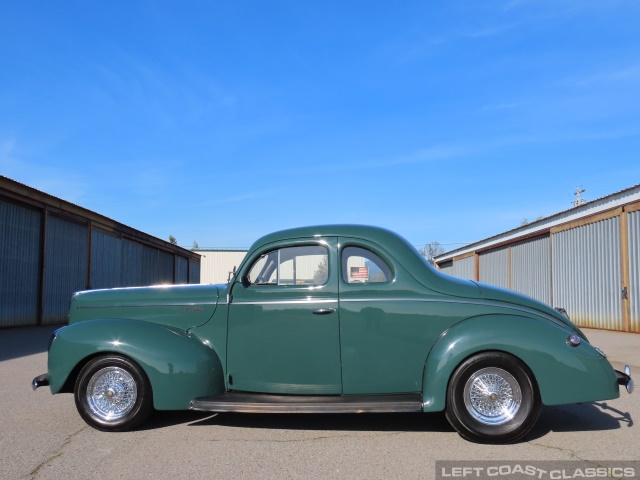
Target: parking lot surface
x=43 y=436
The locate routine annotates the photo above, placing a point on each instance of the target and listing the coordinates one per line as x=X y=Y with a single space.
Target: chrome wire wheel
x=492 y=396
x=111 y=393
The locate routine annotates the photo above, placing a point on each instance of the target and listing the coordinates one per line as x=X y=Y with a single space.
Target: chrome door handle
x=324 y=311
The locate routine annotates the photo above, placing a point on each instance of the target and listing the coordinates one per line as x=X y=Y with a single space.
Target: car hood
x=180 y=306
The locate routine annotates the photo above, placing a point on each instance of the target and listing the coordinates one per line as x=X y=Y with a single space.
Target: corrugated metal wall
x=182 y=270
x=587 y=274
x=194 y=271
x=447 y=267
x=106 y=260
x=65 y=267
x=216 y=264
x=132 y=262
x=531 y=269
x=35 y=226
x=165 y=268
x=19 y=264
x=465 y=268
x=494 y=267
x=634 y=270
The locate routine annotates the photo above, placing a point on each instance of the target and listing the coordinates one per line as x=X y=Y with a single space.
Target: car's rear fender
x=564 y=374
x=180 y=367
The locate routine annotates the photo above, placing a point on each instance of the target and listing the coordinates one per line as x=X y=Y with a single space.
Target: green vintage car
x=327 y=319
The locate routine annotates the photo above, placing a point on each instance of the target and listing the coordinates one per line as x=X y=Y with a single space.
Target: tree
x=322 y=271
x=195 y=246
x=172 y=240
x=430 y=250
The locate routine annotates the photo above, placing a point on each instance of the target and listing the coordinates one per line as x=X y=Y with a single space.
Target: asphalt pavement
x=43 y=436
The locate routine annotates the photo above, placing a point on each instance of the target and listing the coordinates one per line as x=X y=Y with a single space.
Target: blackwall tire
x=493 y=398
x=112 y=393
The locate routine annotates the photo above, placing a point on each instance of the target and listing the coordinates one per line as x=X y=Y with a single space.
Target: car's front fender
x=180 y=367
x=564 y=374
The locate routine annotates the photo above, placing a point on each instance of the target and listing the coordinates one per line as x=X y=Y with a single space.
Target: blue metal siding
x=65 y=267
x=165 y=268
x=19 y=265
x=150 y=266
x=132 y=264
x=194 y=272
x=106 y=260
x=182 y=270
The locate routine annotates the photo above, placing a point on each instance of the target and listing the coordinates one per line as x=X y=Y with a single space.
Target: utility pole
x=579 y=201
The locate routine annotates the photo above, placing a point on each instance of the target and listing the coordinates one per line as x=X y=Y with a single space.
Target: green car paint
x=405 y=335
x=180 y=366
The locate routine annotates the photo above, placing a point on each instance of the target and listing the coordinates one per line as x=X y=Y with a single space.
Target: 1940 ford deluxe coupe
x=327 y=319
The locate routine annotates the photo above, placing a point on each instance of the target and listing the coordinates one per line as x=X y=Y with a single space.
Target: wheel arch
x=563 y=374
x=179 y=366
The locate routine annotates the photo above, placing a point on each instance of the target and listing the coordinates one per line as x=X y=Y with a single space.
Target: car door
x=387 y=327
x=283 y=326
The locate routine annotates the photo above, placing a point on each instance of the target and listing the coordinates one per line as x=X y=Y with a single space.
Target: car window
x=363 y=266
x=305 y=265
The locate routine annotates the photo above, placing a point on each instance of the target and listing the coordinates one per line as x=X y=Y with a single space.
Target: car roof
x=367 y=232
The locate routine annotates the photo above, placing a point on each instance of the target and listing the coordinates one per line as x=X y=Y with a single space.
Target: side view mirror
x=231 y=274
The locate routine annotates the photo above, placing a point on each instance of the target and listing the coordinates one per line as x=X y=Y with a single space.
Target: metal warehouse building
x=218 y=262
x=586 y=259
x=50 y=248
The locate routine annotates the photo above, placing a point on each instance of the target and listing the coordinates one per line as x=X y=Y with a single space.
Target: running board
x=262 y=403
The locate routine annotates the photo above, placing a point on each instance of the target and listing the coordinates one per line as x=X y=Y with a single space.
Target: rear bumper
x=40 y=381
x=624 y=378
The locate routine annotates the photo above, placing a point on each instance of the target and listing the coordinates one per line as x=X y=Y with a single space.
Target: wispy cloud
x=501 y=106
x=627 y=74
x=7 y=155
x=430 y=154
x=490 y=31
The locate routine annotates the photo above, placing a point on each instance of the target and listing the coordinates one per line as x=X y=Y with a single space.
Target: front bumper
x=40 y=381
x=624 y=378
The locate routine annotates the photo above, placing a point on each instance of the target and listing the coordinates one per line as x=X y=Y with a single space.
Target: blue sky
x=218 y=122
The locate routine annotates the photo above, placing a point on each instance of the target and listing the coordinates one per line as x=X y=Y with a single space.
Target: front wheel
x=112 y=393
x=493 y=398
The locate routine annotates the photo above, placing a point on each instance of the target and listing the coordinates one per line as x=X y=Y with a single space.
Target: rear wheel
x=493 y=398
x=112 y=393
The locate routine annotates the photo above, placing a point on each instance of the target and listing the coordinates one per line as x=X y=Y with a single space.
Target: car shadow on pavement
x=21 y=342
x=565 y=418
x=581 y=417
x=368 y=422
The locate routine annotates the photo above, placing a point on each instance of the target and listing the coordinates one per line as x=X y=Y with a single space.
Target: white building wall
x=216 y=264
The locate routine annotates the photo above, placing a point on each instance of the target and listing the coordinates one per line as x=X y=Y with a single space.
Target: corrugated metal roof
x=614 y=200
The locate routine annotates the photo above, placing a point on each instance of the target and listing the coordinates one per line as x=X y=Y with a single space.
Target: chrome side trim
x=286 y=302
x=145 y=305
x=266 y=403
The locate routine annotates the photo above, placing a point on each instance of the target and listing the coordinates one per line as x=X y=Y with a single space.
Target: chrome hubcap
x=111 y=393
x=492 y=396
